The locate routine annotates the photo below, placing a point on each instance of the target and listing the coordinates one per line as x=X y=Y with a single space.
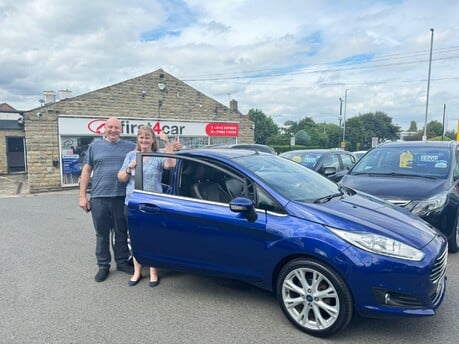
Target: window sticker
x=428 y=158
x=441 y=164
x=406 y=159
x=310 y=160
x=297 y=158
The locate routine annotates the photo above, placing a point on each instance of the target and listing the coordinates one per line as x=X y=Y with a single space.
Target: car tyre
x=314 y=297
x=454 y=239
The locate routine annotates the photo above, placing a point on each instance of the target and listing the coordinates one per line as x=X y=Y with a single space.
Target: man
x=104 y=159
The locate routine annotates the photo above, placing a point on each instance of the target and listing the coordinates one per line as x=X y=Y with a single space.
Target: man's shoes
x=125 y=268
x=101 y=274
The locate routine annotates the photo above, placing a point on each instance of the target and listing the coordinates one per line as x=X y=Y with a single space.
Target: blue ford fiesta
x=326 y=251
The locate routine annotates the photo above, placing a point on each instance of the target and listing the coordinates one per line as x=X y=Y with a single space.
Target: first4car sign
x=129 y=127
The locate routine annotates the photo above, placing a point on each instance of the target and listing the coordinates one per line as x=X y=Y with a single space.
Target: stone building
x=12 y=149
x=58 y=132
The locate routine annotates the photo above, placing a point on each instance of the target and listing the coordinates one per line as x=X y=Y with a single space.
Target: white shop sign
x=86 y=126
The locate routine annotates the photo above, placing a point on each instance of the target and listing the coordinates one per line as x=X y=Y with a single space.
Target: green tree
x=330 y=134
x=302 y=138
x=361 y=129
x=413 y=126
x=434 y=128
x=317 y=136
x=451 y=134
x=264 y=126
x=356 y=138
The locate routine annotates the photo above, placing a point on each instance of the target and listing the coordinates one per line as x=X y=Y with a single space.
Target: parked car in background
x=420 y=176
x=327 y=252
x=252 y=146
x=359 y=154
x=331 y=163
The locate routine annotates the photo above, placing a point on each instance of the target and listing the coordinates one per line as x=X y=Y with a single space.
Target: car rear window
x=306 y=159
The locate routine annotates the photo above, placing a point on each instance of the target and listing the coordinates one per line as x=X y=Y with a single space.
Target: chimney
x=50 y=97
x=233 y=105
x=64 y=94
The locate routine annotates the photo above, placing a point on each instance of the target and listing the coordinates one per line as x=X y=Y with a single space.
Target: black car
x=251 y=146
x=420 y=176
x=331 y=163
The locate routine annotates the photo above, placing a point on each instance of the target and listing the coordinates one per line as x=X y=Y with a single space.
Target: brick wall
x=136 y=98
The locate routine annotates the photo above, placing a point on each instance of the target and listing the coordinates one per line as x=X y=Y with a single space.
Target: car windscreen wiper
x=328 y=197
x=394 y=174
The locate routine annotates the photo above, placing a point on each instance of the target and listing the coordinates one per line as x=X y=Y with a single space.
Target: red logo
x=97 y=126
x=222 y=129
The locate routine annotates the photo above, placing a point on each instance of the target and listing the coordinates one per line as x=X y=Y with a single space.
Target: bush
x=285 y=148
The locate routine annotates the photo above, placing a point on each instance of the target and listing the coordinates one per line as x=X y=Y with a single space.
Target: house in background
x=58 y=132
x=12 y=140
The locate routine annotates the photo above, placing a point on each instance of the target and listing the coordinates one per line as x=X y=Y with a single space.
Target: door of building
x=15 y=155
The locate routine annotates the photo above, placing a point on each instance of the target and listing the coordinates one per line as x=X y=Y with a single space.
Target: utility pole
x=443 y=126
x=340 y=118
x=424 y=137
x=344 y=116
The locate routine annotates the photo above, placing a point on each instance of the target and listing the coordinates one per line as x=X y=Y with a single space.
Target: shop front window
x=74 y=149
x=73 y=152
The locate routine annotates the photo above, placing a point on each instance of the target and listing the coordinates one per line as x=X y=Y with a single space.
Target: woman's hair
x=146 y=130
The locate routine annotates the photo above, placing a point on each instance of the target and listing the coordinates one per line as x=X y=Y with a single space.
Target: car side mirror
x=245 y=207
x=328 y=171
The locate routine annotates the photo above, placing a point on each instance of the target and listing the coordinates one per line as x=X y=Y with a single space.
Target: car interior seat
x=206 y=188
x=234 y=187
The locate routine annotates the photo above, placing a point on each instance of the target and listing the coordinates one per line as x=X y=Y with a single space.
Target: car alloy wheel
x=314 y=297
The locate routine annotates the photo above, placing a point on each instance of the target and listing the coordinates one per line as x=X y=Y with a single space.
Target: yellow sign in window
x=406 y=159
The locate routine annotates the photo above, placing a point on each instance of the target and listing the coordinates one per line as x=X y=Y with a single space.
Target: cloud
x=289 y=61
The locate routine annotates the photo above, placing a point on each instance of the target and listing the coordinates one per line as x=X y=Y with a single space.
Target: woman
x=152 y=172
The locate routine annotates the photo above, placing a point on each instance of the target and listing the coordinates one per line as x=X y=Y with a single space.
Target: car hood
x=394 y=187
x=362 y=212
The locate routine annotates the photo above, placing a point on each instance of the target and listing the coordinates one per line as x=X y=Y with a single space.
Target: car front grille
x=437 y=275
x=439 y=268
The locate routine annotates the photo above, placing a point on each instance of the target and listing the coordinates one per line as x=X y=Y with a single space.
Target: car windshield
x=307 y=159
x=430 y=162
x=288 y=178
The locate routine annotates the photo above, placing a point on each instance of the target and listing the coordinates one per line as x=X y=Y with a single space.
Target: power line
x=342 y=67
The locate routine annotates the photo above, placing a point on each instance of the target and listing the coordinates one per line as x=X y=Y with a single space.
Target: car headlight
x=379 y=244
x=423 y=208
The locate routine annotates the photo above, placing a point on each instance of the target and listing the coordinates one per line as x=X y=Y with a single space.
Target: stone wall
x=42 y=144
x=135 y=98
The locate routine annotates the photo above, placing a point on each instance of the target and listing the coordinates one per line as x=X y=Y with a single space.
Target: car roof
x=225 y=153
x=418 y=144
x=247 y=146
x=317 y=151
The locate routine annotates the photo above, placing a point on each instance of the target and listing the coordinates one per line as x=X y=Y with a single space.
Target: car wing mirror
x=329 y=171
x=245 y=207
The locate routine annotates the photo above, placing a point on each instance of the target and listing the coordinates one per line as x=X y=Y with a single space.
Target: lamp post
x=340 y=118
x=424 y=137
x=443 y=126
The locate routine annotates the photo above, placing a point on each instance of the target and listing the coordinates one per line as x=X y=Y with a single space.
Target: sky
x=290 y=59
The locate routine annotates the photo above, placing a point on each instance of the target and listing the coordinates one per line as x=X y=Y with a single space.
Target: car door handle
x=148 y=208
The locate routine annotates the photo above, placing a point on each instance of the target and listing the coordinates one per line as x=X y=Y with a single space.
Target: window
x=331 y=161
x=347 y=160
x=456 y=166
